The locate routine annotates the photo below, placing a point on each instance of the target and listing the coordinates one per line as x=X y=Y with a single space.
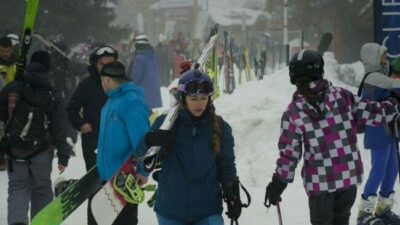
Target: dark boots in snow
x=384 y=210
x=366 y=212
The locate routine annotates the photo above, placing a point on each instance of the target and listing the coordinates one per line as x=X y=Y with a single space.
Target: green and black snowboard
x=68 y=201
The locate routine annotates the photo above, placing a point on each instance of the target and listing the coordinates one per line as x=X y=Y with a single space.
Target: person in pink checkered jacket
x=320 y=123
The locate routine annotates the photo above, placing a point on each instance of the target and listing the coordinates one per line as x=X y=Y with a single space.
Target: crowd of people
x=111 y=103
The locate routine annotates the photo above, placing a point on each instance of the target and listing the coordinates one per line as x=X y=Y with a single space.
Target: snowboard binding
x=62 y=185
x=126 y=185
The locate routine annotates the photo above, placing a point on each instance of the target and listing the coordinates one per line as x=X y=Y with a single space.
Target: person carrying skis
x=322 y=120
x=85 y=105
x=124 y=121
x=377 y=85
x=197 y=159
x=34 y=113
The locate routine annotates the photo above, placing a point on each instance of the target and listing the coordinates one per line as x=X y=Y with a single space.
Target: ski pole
x=279 y=213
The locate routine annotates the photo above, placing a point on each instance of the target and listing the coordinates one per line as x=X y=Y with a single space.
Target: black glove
x=158 y=138
x=232 y=198
x=273 y=191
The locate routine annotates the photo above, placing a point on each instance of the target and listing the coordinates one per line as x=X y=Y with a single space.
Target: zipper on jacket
x=104 y=136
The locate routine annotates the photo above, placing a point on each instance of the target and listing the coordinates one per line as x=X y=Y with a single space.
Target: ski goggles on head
x=196 y=87
x=105 y=50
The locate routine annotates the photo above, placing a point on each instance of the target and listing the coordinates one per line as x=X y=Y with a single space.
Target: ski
x=325 y=42
x=51 y=45
x=26 y=38
x=69 y=200
x=111 y=197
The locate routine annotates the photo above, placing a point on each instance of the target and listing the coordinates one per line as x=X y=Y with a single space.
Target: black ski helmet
x=306 y=63
x=104 y=50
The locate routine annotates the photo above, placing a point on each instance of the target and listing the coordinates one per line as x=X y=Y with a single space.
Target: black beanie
x=41 y=57
x=113 y=69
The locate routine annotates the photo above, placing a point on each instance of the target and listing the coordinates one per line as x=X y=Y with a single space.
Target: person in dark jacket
x=145 y=71
x=198 y=158
x=85 y=105
x=29 y=175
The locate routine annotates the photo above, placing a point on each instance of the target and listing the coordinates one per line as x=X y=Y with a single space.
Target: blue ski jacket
x=145 y=73
x=377 y=87
x=124 y=121
x=192 y=176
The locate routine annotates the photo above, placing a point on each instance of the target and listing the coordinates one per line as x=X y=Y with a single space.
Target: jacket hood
x=371 y=54
x=300 y=101
x=125 y=88
x=37 y=76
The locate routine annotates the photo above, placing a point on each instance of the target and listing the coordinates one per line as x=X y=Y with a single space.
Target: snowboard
x=109 y=200
x=69 y=200
x=108 y=203
x=325 y=42
x=51 y=45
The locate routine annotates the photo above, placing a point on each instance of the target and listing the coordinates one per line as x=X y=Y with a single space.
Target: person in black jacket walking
x=85 y=105
x=30 y=157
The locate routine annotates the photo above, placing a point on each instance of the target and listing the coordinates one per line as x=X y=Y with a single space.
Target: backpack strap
x=360 y=88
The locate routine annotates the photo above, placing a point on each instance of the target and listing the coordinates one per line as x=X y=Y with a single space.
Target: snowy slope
x=254 y=112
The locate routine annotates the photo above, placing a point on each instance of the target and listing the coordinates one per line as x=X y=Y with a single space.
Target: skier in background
x=197 y=159
x=124 y=121
x=29 y=170
x=7 y=75
x=377 y=86
x=145 y=71
x=85 y=105
x=322 y=119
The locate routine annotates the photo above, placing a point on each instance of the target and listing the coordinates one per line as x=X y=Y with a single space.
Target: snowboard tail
x=68 y=201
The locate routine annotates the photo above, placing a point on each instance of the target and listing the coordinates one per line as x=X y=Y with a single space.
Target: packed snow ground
x=254 y=111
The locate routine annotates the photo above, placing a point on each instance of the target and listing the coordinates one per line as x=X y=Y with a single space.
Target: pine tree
x=75 y=19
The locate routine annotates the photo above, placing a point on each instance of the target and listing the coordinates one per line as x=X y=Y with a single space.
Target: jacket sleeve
x=226 y=158
x=370 y=112
x=57 y=130
x=290 y=149
x=137 y=71
x=142 y=148
x=74 y=107
x=136 y=116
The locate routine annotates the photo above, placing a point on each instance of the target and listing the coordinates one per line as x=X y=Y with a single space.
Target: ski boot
x=365 y=213
x=384 y=210
x=61 y=185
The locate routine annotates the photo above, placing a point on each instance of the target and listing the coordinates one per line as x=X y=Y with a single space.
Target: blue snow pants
x=384 y=170
x=211 y=220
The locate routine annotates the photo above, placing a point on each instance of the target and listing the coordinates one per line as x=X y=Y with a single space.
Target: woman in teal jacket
x=198 y=160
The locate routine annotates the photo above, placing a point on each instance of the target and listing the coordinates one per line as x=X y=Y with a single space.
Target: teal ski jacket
x=124 y=121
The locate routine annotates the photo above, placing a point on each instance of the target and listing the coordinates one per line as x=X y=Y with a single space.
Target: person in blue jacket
x=145 y=71
x=124 y=121
x=198 y=160
x=373 y=208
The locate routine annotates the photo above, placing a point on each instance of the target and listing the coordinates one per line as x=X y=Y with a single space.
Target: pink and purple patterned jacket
x=331 y=157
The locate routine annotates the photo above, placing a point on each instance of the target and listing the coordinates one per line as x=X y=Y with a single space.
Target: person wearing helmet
x=197 y=159
x=320 y=122
x=85 y=105
x=376 y=207
x=124 y=121
x=145 y=71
